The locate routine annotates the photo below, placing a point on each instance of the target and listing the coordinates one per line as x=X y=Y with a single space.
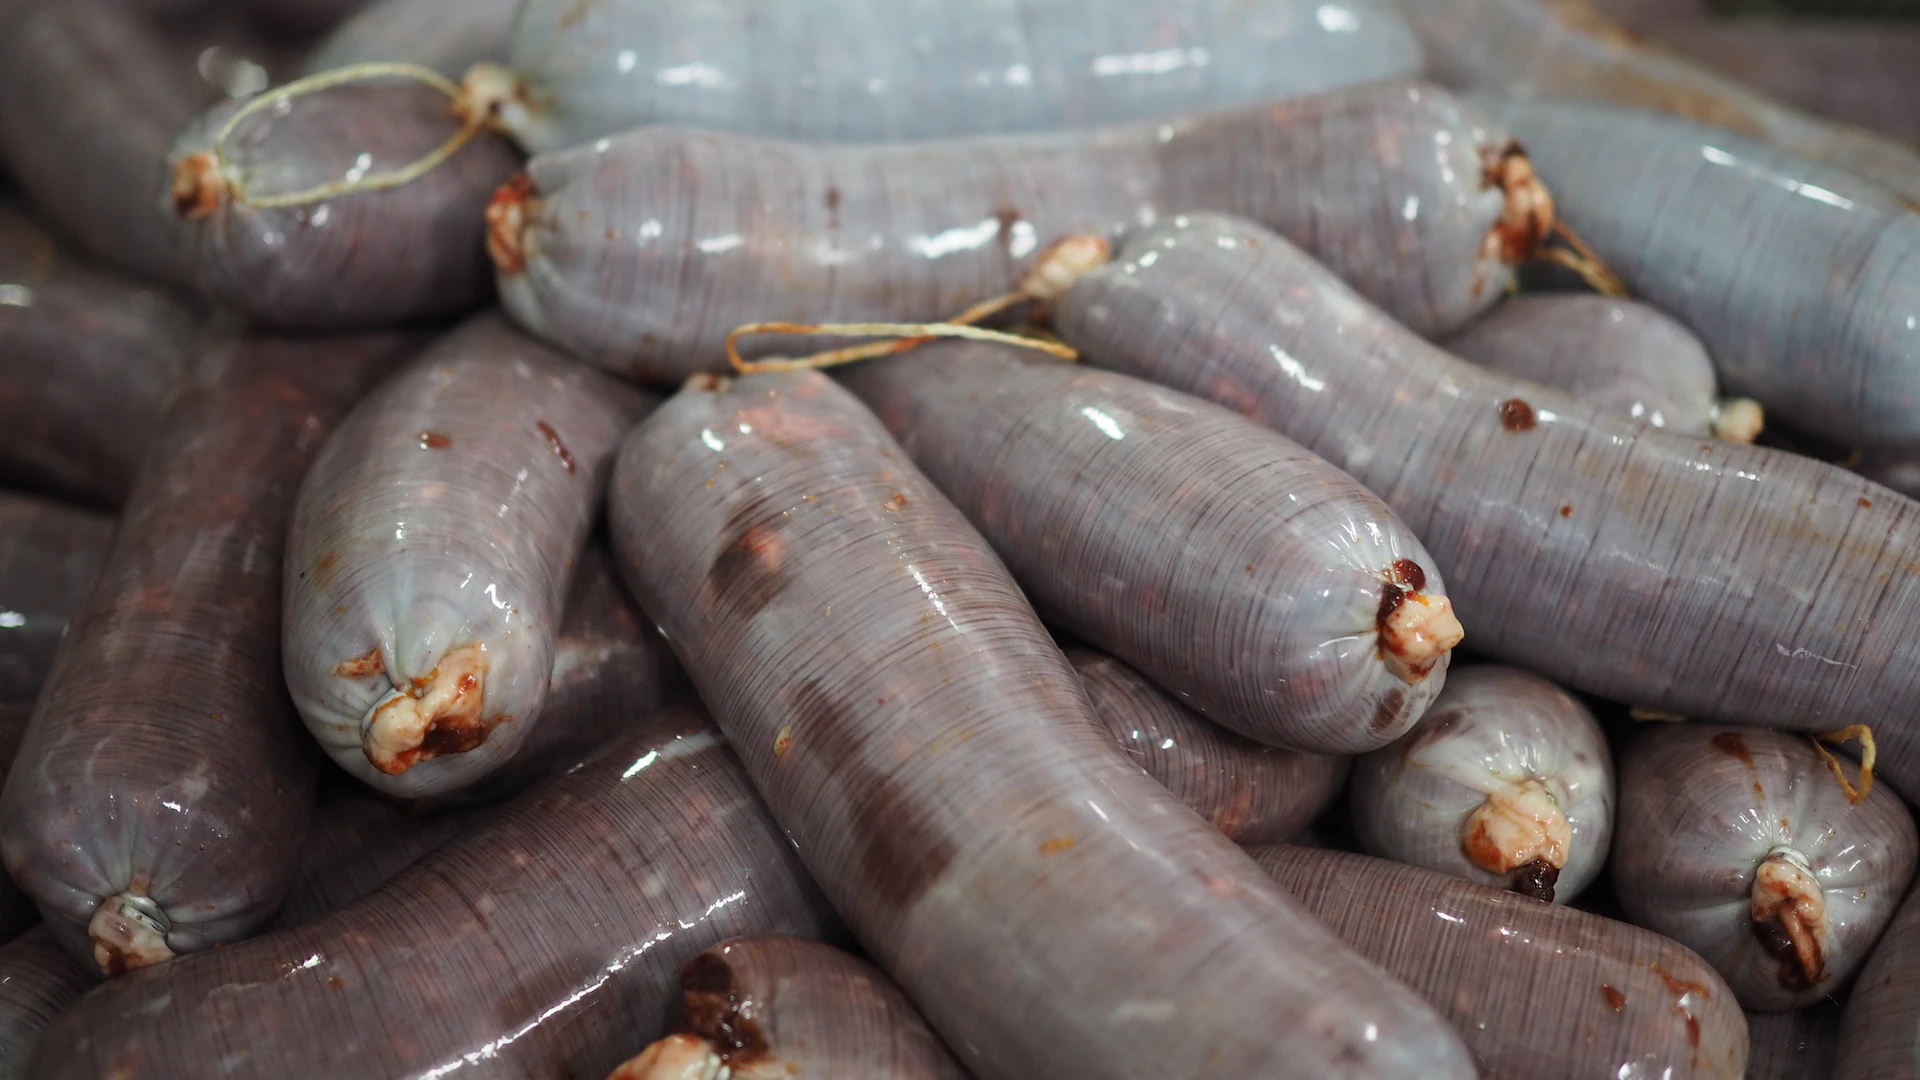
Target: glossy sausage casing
x=544 y=942
x=38 y=981
x=1880 y=1030
x=49 y=555
x=1504 y=767
x=431 y=549
x=641 y=252
x=1249 y=578
x=1537 y=990
x=87 y=359
x=1253 y=794
x=164 y=767
x=1703 y=809
x=933 y=758
x=1693 y=576
x=864 y=71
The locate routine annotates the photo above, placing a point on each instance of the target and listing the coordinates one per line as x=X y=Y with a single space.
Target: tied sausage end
x=441 y=713
x=1790 y=917
x=1520 y=827
x=1738 y=420
x=1416 y=629
x=1527 y=218
x=198 y=188
x=508 y=212
x=129 y=932
x=676 y=1057
x=1062 y=264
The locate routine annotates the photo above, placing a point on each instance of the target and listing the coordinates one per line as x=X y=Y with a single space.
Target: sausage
x=1536 y=990
x=158 y=802
x=1178 y=536
x=94 y=93
x=430 y=551
x=87 y=358
x=1569 y=49
x=854 y=72
x=1878 y=1039
x=448 y=36
x=49 y=555
x=771 y=1006
x=642 y=254
x=1797 y=276
x=934 y=760
x=1624 y=355
x=1253 y=794
x=1506 y=781
x=1799 y=1044
x=545 y=942
x=1691 y=576
x=38 y=980
x=1737 y=843
x=358 y=843
x=361 y=259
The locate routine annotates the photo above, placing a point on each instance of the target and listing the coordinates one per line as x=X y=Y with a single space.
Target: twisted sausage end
x=198 y=188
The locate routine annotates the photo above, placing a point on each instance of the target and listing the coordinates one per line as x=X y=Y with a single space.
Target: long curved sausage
x=1506 y=781
x=643 y=252
x=1879 y=1034
x=770 y=1006
x=1800 y=1044
x=158 y=802
x=933 y=758
x=1258 y=584
x=1740 y=845
x=1569 y=49
x=38 y=980
x=1253 y=794
x=49 y=556
x=448 y=36
x=1798 y=276
x=1619 y=354
x=1693 y=576
x=94 y=93
x=360 y=260
x=861 y=71
x=1536 y=990
x=430 y=551
x=547 y=941
x=87 y=358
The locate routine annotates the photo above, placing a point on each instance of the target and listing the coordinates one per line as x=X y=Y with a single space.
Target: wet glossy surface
x=49 y=554
x=1617 y=354
x=1692 y=576
x=1234 y=568
x=1536 y=990
x=448 y=36
x=368 y=259
x=1491 y=727
x=868 y=71
x=1798 y=1045
x=1879 y=1035
x=164 y=757
x=644 y=250
x=87 y=358
x=446 y=512
x=932 y=756
x=1699 y=813
x=1253 y=794
x=1797 y=276
x=38 y=980
x=545 y=942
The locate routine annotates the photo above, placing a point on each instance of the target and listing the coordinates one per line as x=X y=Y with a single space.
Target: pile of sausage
x=1360 y=539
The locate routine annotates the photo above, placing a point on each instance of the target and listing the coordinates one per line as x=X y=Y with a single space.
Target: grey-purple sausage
x=1535 y=989
x=1693 y=576
x=38 y=981
x=643 y=251
x=448 y=36
x=1620 y=354
x=1739 y=844
x=87 y=358
x=1253 y=794
x=362 y=259
x=1258 y=584
x=49 y=555
x=545 y=941
x=934 y=760
x=1880 y=1029
x=1800 y=1044
x=772 y=1006
x=430 y=551
x=158 y=802
x=1506 y=780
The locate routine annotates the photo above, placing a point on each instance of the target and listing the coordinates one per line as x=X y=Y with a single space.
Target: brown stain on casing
x=433 y=440
x=1536 y=879
x=1616 y=1000
x=1516 y=415
x=719 y=1012
x=553 y=443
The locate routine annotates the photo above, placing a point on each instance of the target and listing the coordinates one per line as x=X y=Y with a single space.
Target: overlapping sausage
x=49 y=555
x=38 y=980
x=1879 y=1035
x=448 y=36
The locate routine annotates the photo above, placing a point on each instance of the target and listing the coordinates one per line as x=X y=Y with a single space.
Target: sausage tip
x=129 y=932
x=1518 y=825
x=439 y=714
x=1416 y=631
x=1527 y=218
x=198 y=187
x=507 y=214
x=676 y=1057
